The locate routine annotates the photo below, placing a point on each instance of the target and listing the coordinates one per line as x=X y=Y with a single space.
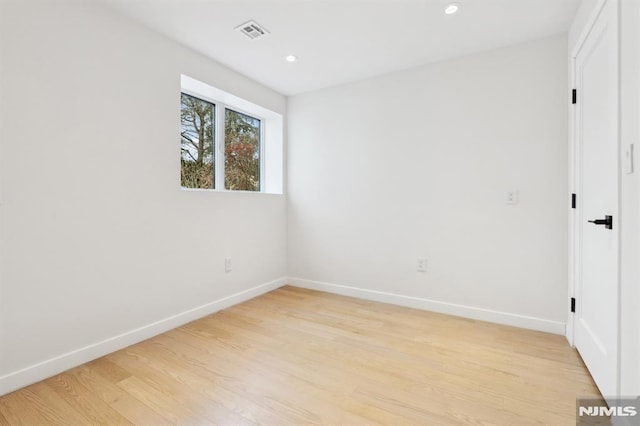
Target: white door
x=596 y=121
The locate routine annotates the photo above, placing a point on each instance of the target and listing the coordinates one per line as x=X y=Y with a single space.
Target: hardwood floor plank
x=51 y=407
x=109 y=370
x=94 y=410
x=17 y=410
x=162 y=402
x=108 y=391
x=3 y=419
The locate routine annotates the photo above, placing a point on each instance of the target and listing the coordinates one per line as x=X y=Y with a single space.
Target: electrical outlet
x=512 y=197
x=227 y=264
x=422 y=264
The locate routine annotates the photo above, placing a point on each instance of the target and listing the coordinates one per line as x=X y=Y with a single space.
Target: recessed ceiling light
x=452 y=8
x=291 y=58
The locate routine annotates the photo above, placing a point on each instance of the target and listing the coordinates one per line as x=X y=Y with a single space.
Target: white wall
x=630 y=200
x=418 y=163
x=98 y=239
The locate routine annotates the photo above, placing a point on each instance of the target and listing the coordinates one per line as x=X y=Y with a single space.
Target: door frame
x=575 y=260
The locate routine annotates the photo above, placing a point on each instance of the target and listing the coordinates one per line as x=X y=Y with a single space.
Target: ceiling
x=339 y=41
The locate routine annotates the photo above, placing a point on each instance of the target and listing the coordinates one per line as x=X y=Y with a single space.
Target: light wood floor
x=296 y=356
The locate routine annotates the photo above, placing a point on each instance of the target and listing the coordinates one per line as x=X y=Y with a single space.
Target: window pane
x=242 y=151
x=196 y=142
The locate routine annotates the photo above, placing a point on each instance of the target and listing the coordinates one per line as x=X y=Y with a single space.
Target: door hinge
x=573 y=201
x=574 y=96
x=573 y=304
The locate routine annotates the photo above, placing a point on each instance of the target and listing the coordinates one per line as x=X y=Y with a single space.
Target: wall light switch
x=628 y=160
x=227 y=264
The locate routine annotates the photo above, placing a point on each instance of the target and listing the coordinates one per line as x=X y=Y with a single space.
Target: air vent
x=252 y=30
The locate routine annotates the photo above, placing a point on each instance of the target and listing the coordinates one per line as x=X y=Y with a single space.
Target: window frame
x=219 y=114
x=273 y=135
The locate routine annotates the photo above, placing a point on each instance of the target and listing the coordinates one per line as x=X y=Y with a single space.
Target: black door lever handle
x=607 y=222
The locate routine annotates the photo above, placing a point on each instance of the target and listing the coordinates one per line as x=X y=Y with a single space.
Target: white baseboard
x=53 y=366
x=505 y=318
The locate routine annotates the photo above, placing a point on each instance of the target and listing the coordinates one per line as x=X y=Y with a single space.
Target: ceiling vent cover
x=252 y=30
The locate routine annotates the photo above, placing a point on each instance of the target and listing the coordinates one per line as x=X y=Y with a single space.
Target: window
x=241 y=151
x=227 y=143
x=197 y=130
